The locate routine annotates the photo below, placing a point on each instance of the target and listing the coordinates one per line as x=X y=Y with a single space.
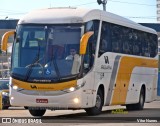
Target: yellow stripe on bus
x=0 y=100
x=44 y=86
x=6 y=90
x=127 y=64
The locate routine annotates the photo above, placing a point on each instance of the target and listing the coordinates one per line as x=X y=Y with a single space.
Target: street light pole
x=104 y=2
x=6 y=17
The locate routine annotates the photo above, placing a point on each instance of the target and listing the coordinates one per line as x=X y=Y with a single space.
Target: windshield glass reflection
x=46 y=52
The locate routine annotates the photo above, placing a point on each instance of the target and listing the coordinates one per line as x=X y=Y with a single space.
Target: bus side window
x=125 y=41
x=136 y=50
x=152 y=46
x=105 y=45
x=126 y=48
x=115 y=46
x=136 y=43
x=92 y=42
x=145 y=46
x=116 y=38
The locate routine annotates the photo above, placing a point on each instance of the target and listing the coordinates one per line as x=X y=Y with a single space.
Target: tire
x=96 y=110
x=25 y=107
x=5 y=107
x=37 y=112
x=130 y=107
x=140 y=104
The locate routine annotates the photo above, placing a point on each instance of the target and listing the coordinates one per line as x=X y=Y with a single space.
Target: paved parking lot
x=79 y=117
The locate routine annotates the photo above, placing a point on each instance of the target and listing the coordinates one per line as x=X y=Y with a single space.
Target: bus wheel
x=37 y=112
x=140 y=104
x=96 y=110
x=25 y=107
x=5 y=107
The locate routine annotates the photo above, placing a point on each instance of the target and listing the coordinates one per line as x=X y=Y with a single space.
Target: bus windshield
x=46 y=53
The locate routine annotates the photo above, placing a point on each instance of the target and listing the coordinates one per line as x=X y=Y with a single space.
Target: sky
x=140 y=11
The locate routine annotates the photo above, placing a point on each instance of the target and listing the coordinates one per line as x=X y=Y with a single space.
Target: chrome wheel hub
x=98 y=101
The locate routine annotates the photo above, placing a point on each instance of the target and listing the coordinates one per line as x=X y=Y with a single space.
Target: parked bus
x=72 y=58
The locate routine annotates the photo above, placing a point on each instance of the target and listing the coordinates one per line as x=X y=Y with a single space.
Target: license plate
x=41 y=100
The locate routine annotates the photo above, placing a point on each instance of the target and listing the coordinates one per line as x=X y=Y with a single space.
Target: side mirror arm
x=4 y=41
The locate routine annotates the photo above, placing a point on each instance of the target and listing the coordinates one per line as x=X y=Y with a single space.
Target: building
x=7 y=25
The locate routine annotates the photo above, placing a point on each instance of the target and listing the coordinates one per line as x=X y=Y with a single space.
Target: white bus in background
x=113 y=61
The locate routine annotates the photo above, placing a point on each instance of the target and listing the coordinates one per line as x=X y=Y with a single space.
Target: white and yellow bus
x=71 y=58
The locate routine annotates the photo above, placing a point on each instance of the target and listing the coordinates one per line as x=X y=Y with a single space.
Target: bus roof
x=77 y=15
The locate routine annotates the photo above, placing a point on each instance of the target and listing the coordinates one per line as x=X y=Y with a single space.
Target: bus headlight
x=76 y=100
x=71 y=89
x=12 y=98
x=15 y=87
x=5 y=94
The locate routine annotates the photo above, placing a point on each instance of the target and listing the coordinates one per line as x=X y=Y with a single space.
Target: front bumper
x=64 y=101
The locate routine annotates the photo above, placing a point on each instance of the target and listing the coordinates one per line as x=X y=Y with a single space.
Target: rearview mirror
x=84 y=42
x=5 y=38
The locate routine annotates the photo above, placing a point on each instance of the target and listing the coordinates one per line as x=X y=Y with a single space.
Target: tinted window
x=105 y=43
x=145 y=45
x=153 y=45
x=120 y=39
x=116 y=38
x=127 y=40
x=91 y=47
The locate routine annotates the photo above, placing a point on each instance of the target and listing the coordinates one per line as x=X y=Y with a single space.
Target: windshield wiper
x=53 y=60
x=35 y=62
